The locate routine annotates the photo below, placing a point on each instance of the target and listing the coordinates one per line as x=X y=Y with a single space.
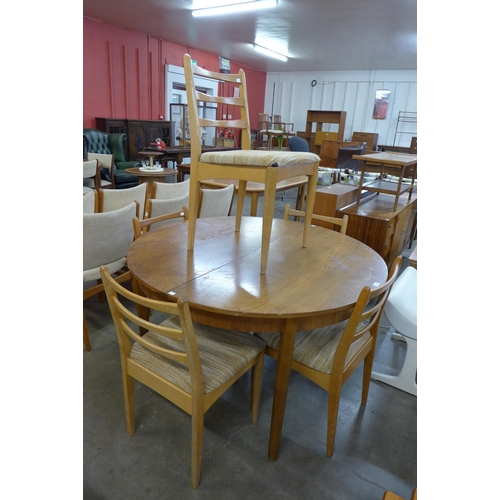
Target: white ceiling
x=317 y=34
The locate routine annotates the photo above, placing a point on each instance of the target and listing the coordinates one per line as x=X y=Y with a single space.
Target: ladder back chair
x=328 y=356
x=190 y=365
x=267 y=167
x=341 y=222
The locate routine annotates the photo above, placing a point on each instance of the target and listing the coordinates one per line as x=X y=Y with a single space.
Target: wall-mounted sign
x=381 y=104
x=224 y=65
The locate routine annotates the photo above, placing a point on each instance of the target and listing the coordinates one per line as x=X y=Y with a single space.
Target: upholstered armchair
x=96 y=141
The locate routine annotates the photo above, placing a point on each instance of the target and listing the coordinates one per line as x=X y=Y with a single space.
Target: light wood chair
x=143 y=226
x=267 y=167
x=169 y=190
x=90 y=202
x=328 y=356
x=106 y=240
x=216 y=202
x=341 y=222
x=112 y=199
x=91 y=176
x=106 y=163
x=190 y=365
x=286 y=127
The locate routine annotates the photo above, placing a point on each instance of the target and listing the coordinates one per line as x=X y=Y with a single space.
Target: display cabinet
x=319 y=118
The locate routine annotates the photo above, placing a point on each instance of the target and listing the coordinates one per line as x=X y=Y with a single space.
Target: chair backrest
x=297 y=143
x=155 y=207
x=91 y=175
x=169 y=190
x=112 y=199
x=216 y=202
x=239 y=105
x=95 y=141
x=106 y=240
x=90 y=202
x=89 y=168
x=364 y=319
x=143 y=226
x=342 y=222
x=106 y=163
x=128 y=323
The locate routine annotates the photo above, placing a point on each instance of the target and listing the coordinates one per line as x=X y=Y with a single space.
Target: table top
x=160 y=172
x=151 y=152
x=184 y=151
x=397 y=159
x=221 y=279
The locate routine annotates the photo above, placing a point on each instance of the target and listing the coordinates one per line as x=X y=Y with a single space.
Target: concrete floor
x=375 y=447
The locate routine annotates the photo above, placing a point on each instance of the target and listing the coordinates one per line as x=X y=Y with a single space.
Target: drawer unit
x=329 y=199
x=368 y=137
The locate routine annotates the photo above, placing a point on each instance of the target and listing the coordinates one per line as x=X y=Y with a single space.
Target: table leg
x=283 y=369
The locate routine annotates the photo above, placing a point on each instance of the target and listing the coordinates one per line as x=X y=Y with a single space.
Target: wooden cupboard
x=368 y=137
x=374 y=222
x=140 y=133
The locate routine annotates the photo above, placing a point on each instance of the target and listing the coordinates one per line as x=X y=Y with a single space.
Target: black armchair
x=96 y=141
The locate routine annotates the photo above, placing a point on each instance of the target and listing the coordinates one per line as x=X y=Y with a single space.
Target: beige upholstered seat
x=329 y=355
x=190 y=365
x=106 y=162
x=91 y=176
x=267 y=167
x=90 y=202
x=342 y=222
x=106 y=239
x=216 y=202
x=169 y=190
x=117 y=198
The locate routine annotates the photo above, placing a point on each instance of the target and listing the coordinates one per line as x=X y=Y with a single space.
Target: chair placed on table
x=106 y=163
x=329 y=355
x=91 y=176
x=143 y=226
x=112 y=199
x=267 y=167
x=90 y=202
x=401 y=311
x=216 y=202
x=189 y=364
x=341 y=222
x=269 y=131
x=106 y=240
x=286 y=127
x=169 y=190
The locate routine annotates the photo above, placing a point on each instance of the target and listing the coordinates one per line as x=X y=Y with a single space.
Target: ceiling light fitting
x=235 y=8
x=269 y=52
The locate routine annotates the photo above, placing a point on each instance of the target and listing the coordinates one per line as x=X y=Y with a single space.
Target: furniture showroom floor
x=375 y=446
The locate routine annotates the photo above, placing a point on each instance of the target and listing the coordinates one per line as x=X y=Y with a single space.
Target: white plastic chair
x=401 y=311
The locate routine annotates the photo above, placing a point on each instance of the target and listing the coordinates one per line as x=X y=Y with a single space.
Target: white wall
x=350 y=91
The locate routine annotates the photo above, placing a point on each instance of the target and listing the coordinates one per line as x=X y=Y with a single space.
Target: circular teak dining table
x=303 y=288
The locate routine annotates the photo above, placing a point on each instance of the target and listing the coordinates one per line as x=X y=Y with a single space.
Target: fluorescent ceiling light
x=270 y=53
x=235 y=8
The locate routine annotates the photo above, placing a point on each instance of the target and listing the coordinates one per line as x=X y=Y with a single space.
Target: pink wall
x=124 y=74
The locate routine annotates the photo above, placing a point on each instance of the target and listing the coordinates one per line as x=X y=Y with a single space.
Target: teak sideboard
x=374 y=222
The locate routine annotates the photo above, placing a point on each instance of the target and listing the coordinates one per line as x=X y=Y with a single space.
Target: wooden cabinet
x=140 y=133
x=370 y=139
x=374 y=222
x=320 y=117
x=329 y=199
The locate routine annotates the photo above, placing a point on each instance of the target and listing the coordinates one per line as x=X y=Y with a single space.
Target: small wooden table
x=150 y=177
x=256 y=189
x=303 y=288
x=399 y=165
x=152 y=155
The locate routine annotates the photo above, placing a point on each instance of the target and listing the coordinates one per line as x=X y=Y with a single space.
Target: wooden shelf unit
x=320 y=117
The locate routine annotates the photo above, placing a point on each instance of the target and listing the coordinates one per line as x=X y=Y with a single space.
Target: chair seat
x=401 y=307
x=272 y=131
x=223 y=353
x=252 y=158
x=316 y=348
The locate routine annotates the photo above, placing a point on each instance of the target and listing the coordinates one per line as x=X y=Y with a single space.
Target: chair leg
x=333 y=411
x=256 y=387
x=267 y=216
x=242 y=189
x=367 y=372
x=196 y=442
x=405 y=380
x=86 y=338
x=194 y=190
x=128 y=394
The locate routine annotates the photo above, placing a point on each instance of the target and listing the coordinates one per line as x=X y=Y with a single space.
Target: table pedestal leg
x=283 y=368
